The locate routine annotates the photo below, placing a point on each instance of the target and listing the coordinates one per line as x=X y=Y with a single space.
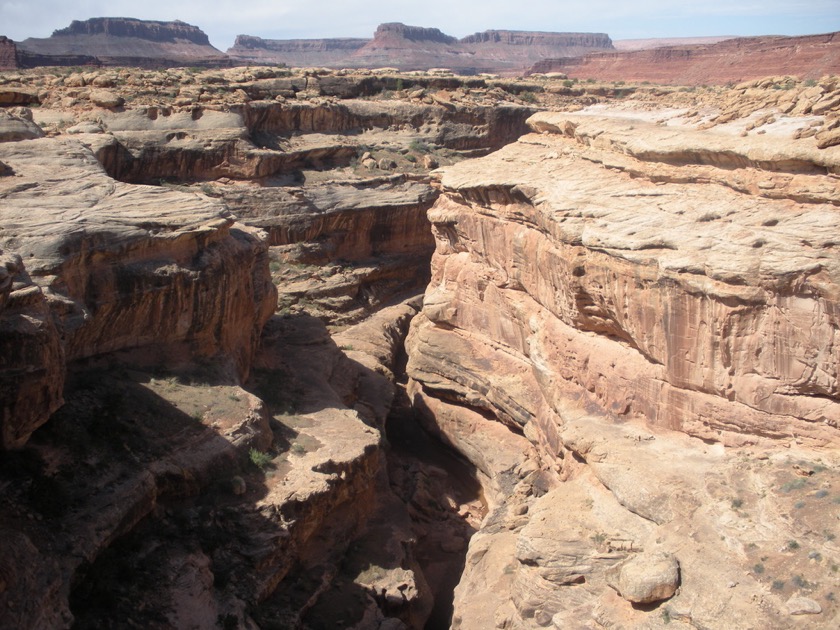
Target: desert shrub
x=259 y=459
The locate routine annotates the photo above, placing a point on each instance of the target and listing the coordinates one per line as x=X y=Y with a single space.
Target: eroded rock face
x=8 y=54
x=809 y=56
x=610 y=274
x=32 y=371
x=564 y=261
x=122 y=42
x=120 y=266
x=396 y=45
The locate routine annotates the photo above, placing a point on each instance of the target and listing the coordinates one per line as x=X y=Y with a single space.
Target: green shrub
x=259 y=459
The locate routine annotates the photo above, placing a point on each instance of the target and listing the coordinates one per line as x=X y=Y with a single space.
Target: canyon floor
x=354 y=349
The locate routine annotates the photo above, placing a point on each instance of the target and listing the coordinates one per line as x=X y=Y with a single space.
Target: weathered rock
x=828 y=138
x=802 y=606
x=106 y=98
x=122 y=267
x=646 y=578
x=14 y=128
x=11 y=96
x=591 y=249
x=703 y=64
x=122 y=42
x=32 y=370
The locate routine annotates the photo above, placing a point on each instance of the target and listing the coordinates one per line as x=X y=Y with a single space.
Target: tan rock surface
x=611 y=274
x=124 y=266
x=557 y=250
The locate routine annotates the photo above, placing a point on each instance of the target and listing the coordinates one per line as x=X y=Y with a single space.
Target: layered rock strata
x=122 y=42
x=608 y=295
x=120 y=266
x=396 y=45
x=729 y=61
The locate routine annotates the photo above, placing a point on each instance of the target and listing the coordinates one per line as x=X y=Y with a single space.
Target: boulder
x=12 y=96
x=646 y=577
x=802 y=606
x=14 y=128
x=106 y=98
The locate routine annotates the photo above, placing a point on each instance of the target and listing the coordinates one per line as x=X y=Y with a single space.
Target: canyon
x=288 y=348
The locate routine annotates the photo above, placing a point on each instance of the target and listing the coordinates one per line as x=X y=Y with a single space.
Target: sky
x=291 y=19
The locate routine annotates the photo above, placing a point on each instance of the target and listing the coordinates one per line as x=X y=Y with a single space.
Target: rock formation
x=730 y=61
x=122 y=42
x=417 y=48
x=8 y=54
x=611 y=294
x=94 y=247
x=625 y=361
x=295 y=52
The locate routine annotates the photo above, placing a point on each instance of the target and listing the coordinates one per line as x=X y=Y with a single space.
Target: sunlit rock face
x=96 y=266
x=609 y=297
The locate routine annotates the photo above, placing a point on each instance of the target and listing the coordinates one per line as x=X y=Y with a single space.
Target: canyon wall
x=729 y=61
x=629 y=335
x=118 y=267
x=294 y=52
x=405 y=47
x=609 y=297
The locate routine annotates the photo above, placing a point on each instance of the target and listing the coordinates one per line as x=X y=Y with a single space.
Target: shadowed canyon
x=377 y=349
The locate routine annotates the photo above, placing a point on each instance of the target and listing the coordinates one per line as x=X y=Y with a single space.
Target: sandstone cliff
x=608 y=295
x=417 y=48
x=294 y=52
x=122 y=42
x=628 y=340
x=729 y=61
x=120 y=267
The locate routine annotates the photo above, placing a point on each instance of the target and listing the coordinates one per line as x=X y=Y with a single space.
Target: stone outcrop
x=8 y=54
x=396 y=45
x=294 y=52
x=122 y=42
x=607 y=295
x=730 y=61
x=122 y=267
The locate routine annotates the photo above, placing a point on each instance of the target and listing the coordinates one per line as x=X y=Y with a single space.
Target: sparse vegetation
x=737 y=503
x=794 y=484
x=259 y=458
x=792 y=545
x=758 y=568
x=800 y=582
x=418 y=146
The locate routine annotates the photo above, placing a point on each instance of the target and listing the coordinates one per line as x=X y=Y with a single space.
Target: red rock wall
x=551 y=294
x=729 y=61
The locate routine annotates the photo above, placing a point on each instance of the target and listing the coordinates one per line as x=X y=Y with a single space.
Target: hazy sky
x=286 y=19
